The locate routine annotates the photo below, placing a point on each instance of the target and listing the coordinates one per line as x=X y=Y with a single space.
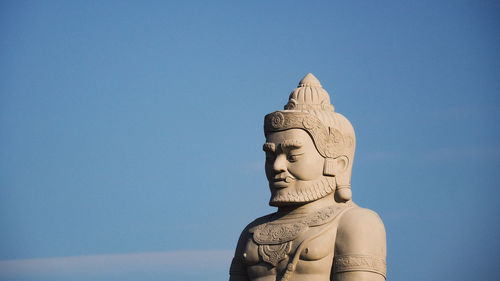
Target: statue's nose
x=279 y=164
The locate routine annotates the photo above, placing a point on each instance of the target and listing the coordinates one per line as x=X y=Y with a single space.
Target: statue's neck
x=308 y=208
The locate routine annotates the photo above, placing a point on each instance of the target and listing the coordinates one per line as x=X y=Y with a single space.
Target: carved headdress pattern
x=309 y=108
x=309 y=95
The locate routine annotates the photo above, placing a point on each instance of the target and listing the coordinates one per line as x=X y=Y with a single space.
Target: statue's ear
x=335 y=166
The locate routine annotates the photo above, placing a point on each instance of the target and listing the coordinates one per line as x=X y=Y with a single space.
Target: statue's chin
x=301 y=192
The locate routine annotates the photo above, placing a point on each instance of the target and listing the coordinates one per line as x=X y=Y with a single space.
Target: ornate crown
x=309 y=108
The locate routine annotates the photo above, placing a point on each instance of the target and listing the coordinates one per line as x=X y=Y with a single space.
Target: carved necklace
x=275 y=238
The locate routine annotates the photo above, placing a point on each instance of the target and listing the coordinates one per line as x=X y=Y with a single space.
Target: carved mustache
x=284 y=177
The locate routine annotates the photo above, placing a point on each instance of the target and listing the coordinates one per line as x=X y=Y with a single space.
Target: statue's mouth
x=282 y=181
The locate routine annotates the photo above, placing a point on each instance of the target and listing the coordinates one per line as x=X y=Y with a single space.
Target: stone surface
x=318 y=233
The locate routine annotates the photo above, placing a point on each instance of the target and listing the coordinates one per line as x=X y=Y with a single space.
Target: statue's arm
x=360 y=247
x=238 y=270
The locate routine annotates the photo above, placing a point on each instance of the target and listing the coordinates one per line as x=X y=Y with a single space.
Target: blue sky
x=131 y=131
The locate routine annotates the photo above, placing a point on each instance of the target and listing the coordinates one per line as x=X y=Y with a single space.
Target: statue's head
x=309 y=148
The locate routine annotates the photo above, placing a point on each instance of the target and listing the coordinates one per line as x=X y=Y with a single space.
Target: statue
x=318 y=233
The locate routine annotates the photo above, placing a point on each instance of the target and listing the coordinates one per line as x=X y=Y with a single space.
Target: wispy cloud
x=117 y=263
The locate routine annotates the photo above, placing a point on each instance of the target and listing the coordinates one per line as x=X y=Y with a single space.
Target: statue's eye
x=293 y=157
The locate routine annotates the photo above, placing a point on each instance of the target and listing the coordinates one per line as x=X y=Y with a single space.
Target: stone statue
x=318 y=233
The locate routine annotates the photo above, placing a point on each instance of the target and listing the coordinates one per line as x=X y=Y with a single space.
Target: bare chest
x=304 y=251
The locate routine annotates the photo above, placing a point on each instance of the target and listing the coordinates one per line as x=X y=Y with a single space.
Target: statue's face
x=294 y=168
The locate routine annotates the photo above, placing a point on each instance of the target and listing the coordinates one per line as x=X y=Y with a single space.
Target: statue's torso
x=305 y=246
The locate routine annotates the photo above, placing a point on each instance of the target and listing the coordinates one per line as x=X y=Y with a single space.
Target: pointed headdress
x=309 y=109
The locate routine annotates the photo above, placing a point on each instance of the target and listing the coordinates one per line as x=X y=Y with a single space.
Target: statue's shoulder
x=257 y=222
x=250 y=228
x=357 y=216
x=361 y=231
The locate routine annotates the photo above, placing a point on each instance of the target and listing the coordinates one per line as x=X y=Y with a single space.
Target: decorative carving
x=326 y=215
x=277 y=120
x=274 y=238
x=359 y=263
x=294 y=106
x=273 y=254
x=328 y=141
x=270 y=233
x=275 y=232
x=309 y=95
